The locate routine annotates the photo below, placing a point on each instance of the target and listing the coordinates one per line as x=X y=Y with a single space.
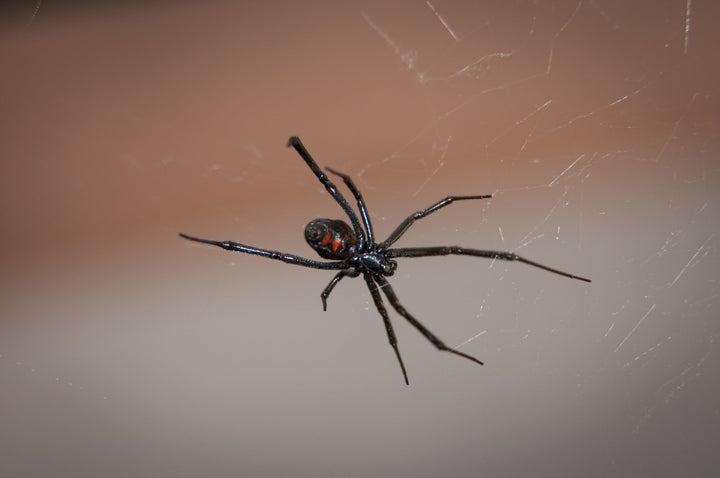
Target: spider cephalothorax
x=353 y=251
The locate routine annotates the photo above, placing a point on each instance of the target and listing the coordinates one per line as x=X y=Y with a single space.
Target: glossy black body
x=331 y=238
x=353 y=251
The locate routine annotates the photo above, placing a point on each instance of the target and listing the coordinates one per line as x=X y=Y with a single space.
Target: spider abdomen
x=331 y=238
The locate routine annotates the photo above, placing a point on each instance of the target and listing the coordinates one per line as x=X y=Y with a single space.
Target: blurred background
x=127 y=351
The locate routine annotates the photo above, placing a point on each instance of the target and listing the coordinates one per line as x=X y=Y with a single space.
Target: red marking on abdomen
x=336 y=243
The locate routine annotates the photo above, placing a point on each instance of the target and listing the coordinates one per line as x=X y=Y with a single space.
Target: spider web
x=594 y=125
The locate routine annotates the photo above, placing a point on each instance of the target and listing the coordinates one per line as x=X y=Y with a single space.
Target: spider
x=353 y=251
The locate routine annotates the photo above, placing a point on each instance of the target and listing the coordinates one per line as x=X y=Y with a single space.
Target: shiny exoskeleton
x=331 y=238
x=352 y=251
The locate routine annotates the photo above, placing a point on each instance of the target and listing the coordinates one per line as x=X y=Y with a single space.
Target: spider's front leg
x=395 y=302
x=386 y=318
x=277 y=255
x=462 y=251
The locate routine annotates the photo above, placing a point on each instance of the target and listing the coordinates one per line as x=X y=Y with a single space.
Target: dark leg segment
x=295 y=142
x=405 y=225
x=388 y=325
x=390 y=294
x=447 y=250
x=280 y=256
x=338 y=277
x=361 y=203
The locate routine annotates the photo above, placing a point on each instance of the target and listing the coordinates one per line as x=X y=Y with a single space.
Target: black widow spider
x=354 y=251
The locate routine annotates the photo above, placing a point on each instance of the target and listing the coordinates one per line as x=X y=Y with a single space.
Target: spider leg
x=338 y=277
x=390 y=294
x=386 y=318
x=410 y=220
x=361 y=203
x=280 y=256
x=295 y=142
x=447 y=250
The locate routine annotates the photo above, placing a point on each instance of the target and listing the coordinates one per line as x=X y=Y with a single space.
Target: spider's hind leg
x=360 y=202
x=410 y=220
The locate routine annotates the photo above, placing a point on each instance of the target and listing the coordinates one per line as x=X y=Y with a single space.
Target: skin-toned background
x=127 y=351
